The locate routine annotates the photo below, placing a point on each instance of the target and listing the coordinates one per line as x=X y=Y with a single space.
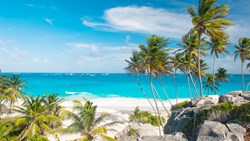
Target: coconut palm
x=175 y=61
x=55 y=108
x=14 y=89
x=153 y=62
x=34 y=119
x=184 y=67
x=55 y=101
x=208 y=20
x=218 y=46
x=242 y=51
x=209 y=83
x=85 y=122
x=190 y=46
x=133 y=67
x=221 y=75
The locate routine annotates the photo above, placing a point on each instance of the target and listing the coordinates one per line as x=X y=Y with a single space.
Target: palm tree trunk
x=162 y=106
x=213 y=73
x=157 y=94
x=247 y=85
x=165 y=91
x=176 y=89
x=10 y=107
x=194 y=85
x=199 y=63
x=189 y=90
x=156 y=105
x=143 y=92
x=242 y=72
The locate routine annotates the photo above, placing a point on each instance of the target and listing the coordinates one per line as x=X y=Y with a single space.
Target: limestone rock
x=204 y=101
x=168 y=137
x=216 y=131
x=246 y=96
x=233 y=98
x=178 y=119
x=142 y=130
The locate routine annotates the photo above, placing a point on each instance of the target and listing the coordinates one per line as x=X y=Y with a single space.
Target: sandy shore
x=119 y=109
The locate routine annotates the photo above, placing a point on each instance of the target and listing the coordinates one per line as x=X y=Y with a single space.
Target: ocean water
x=92 y=85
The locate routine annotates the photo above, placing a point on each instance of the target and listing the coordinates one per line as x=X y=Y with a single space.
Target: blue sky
x=97 y=35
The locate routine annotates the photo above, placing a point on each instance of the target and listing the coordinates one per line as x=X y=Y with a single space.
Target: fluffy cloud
x=237 y=31
x=97 y=58
x=143 y=20
x=14 y=53
x=39 y=60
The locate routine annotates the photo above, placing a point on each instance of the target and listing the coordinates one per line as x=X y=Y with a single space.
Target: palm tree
x=55 y=101
x=34 y=119
x=153 y=62
x=209 y=83
x=190 y=47
x=218 y=46
x=133 y=67
x=221 y=75
x=184 y=67
x=14 y=89
x=208 y=20
x=55 y=108
x=243 y=51
x=175 y=61
x=85 y=122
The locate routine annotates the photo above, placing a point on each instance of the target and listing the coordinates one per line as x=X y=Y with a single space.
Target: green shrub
x=132 y=132
x=37 y=138
x=144 y=117
x=180 y=105
x=5 y=125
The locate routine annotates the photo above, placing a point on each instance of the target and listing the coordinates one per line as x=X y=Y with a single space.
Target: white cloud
x=237 y=31
x=226 y=62
x=49 y=21
x=39 y=60
x=4 y=42
x=143 y=20
x=14 y=53
x=96 y=57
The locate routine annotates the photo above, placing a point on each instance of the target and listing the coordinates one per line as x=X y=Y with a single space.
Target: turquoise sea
x=111 y=85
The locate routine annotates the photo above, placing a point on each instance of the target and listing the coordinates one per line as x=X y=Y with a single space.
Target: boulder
x=204 y=101
x=216 y=131
x=168 y=137
x=246 y=96
x=233 y=98
x=179 y=119
x=142 y=130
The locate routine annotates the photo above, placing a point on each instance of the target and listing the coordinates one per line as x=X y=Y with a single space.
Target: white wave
x=70 y=92
x=79 y=95
x=113 y=96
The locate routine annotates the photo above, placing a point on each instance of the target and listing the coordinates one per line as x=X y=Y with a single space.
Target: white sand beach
x=119 y=110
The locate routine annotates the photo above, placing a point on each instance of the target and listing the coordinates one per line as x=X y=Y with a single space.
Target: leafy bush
x=5 y=125
x=180 y=105
x=144 y=117
x=132 y=132
x=37 y=138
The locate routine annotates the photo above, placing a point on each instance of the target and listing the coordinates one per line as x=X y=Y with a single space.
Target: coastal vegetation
x=208 y=33
x=145 y=117
x=41 y=116
x=86 y=122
